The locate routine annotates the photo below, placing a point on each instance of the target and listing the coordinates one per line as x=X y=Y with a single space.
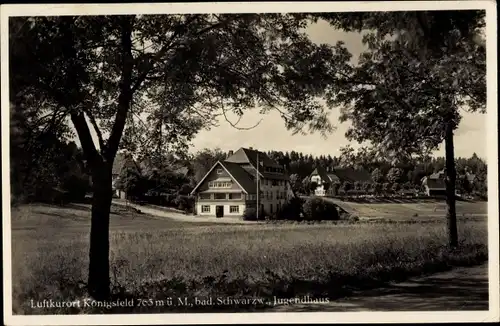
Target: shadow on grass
x=455 y=293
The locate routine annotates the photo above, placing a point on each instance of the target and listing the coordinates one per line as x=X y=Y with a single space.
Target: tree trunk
x=450 y=186
x=98 y=281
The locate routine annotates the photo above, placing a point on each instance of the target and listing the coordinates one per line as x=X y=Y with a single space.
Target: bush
x=291 y=209
x=250 y=214
x=170 y=200
x=319 y=209
x=185 y=203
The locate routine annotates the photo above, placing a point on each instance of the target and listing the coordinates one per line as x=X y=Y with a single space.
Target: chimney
x=230 y=153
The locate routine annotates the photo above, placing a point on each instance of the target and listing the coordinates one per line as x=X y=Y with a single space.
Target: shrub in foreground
x=291 y=209
x=318 y=209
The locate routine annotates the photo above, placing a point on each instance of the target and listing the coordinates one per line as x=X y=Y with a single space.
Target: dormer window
x=219 y=171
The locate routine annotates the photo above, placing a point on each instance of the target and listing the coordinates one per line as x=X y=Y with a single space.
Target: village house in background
x=230 y=186
x=434 y=184
x=325 y=177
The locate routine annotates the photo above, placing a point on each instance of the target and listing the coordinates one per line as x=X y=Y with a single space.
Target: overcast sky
x=271 y=133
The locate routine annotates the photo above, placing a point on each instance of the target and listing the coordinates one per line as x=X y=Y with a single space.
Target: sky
x=271 y=134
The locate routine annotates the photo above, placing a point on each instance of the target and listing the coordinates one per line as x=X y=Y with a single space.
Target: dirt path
x=163 y=213
x=463 y=288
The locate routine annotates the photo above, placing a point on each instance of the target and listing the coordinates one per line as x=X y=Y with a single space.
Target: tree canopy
x=419 y=71
x=180 y=72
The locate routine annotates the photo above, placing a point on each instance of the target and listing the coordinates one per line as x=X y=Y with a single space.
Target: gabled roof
x=246 y=155
x=241 y=176
x=237 y=173
x=319 y=170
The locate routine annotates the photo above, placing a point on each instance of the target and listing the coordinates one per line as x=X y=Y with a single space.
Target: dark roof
x=268 y=175
x=246 y=155
x=352 y=175
x=435 y=183
x=319 y=170
x=241 y=176
x=342 y=175
x=333 y=177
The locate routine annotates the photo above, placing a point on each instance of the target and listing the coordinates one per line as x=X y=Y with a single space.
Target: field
x=404 y=209
x=160 y=258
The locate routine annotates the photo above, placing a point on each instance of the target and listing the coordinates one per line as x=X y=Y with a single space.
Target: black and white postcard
x=180 y=163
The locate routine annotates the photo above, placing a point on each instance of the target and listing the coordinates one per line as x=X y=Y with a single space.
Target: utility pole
x=258 y=191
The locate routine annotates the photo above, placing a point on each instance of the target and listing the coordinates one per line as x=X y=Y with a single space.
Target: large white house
x=231 y=185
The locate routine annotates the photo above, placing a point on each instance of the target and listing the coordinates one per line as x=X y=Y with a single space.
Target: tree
x=396 y=187
x=335 y=188
x=377 y=188
x=347 y=157
x=366 y=187
x=377 y=176
x=306 y=186
x=153 y=81
x=131 y=182
x=433 y=65
x=346 y=186
x=204 y=160
x=385 y=187
x=394 y=175
x=295 y=183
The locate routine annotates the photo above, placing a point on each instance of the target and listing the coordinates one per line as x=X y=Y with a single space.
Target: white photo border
x=259 y=318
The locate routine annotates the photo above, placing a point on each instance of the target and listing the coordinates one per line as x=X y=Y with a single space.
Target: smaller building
x=434 y=184
x=325 y=177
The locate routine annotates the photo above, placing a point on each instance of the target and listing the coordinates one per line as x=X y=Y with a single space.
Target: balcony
x=221 y=197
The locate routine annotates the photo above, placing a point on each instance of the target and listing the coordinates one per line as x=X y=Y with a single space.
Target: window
x=204 y=196
x=234 y=196
x=234 y=209
x=218 y=184
x=219 y=171
x=251 y=197
x=205 y=209
x=220 y=196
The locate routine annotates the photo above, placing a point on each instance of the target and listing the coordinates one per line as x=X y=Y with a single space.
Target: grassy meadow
x=158 y=259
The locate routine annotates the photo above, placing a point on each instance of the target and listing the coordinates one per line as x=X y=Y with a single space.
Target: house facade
x=231 y=185
x=325 y=177
x=434 y=184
